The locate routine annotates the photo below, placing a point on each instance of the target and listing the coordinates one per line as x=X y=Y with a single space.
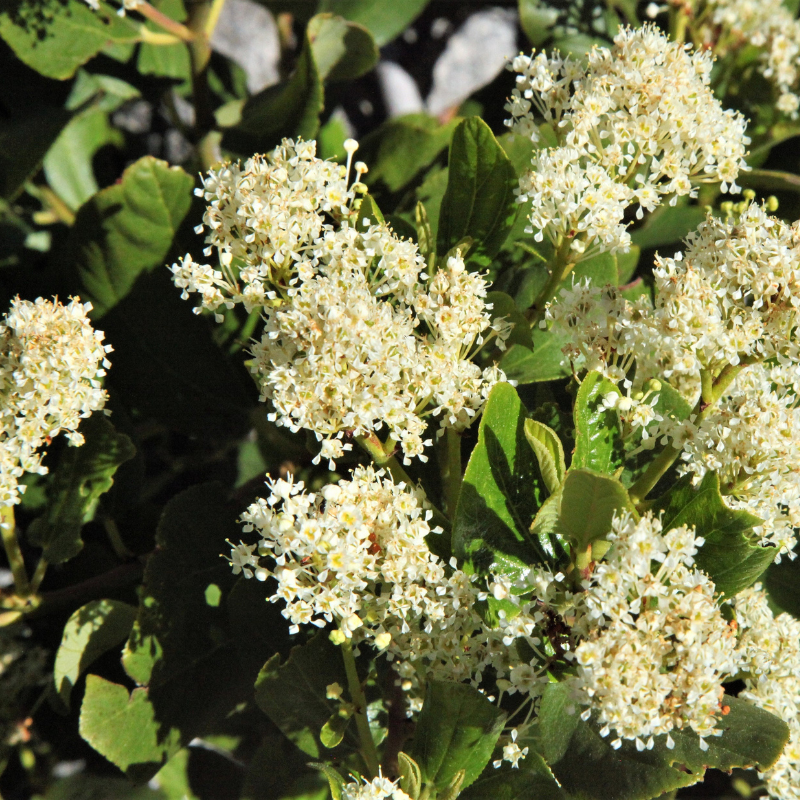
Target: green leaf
x=667 y=225
x=165 y=61
x=124 y=728
x=456 y=729
x=589 y=501
x=751 y=738
x=402 y=147
x=92 y=630
x=167 y=366
x=501 y=492
x=410 y=775
x=83 y=475
x=546 y=362
x=783 y=585
x=770 y=180
x=549 y=452
x=503 y=305
x=670 y=403
x=183 y=639
x=602 y=270
x=479 y=201
x=335 y=780
x=342 y=50
x=598 y=436
x=68 y=163
x=384 y=20
x=289 y=109
x=333 y=730
x=522 y=783
x=25 y=138
x=627 y=263
x=536 y=20
x=294 y=694
x=731 y=555
x=86 y=786
x=55 y=37
x=128 y=229
x=588 y=767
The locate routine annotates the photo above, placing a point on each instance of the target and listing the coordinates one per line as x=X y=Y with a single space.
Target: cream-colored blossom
x=767 y=25
x=638 y=124
x=656 y=647
x=51 y=365
x=357 y=337
x=770 y=652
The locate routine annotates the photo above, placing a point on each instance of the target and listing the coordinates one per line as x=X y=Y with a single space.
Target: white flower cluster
x=751 y=438
x=770 y=652
x=731 y=302
x=379 y=788
x=51 y=365
x=769 y=26
x=355 y=555
x=638 y=124
x=657 y=647
x=356 y=335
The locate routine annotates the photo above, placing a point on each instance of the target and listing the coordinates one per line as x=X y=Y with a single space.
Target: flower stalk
x=368 y=750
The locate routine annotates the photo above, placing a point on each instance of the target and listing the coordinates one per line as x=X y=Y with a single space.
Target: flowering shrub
x=470 y=469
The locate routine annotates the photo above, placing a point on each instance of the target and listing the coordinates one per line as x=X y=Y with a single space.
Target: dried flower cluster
x=638 y=124
x=51 y=365
x=356 y=336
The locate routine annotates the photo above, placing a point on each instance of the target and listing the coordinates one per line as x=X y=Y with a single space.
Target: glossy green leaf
x=670 y=403
x=342 y=50
x=293 y=694
x=549 y=452
x=128 y=229
x=183 y=639
x=545 y=362
x=68 y=163
x=479 y=201
x=503 y=305
x=402 y=147
x=501 y=492
x=531 y=780
x=55 y=37
x=589 y=501
x=83 y=475
x=125 y=729
x=598 y=435
x=783 y=585
x=731 y=555
x=588 y=767
x=92 y=630
x=384 y=20
x=667 y=225
x=627 y=264
x=289 y=109
x=456 y=729
x=601 y=270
